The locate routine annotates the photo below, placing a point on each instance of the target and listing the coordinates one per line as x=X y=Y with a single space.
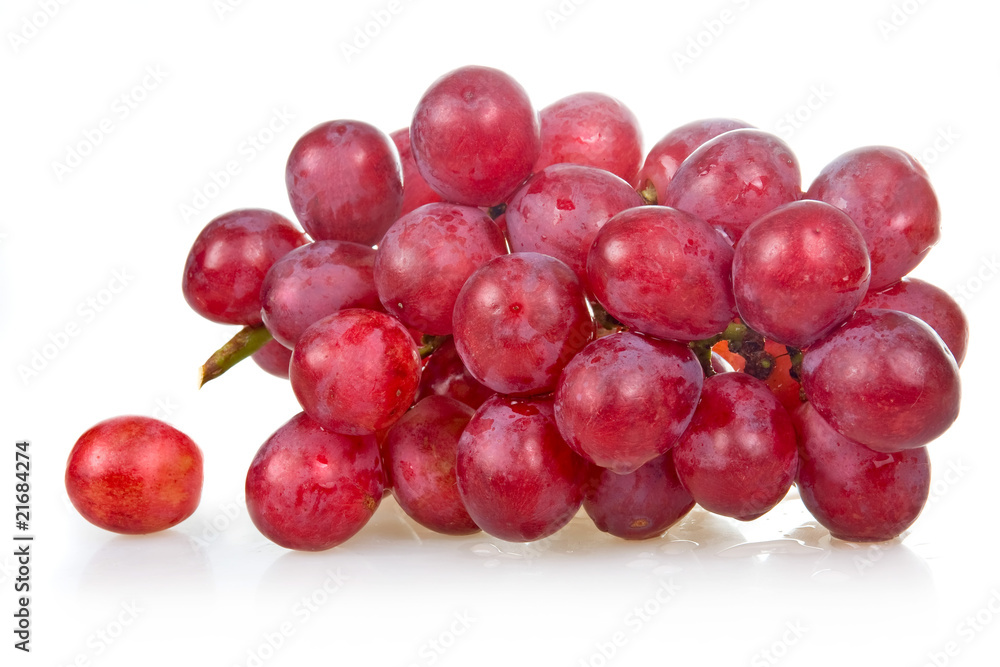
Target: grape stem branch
x=242 y=345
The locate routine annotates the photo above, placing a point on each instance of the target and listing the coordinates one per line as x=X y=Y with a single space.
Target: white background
x=712 y=591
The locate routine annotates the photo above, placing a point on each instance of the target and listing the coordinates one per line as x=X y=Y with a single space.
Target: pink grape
x=311 y=489
x=884 y=379
x=416 y=192
x=640 y=504
x=420 y=454
x=314 y=281
x=858 y=494
x=519 y=320
x=734 y=179
x=519 y=480
x=626 y=399
x=426 y=257
x=134 y=475
x=559 y=210
x=273 y=358
x=594 y=130
x=799 y=271
x=228 y=261
x=345 y=182
x=669 y=152
x=889 y=197
x=355 y=371
x=444 y=374
x=738 y=456
x=663 y=272
x=929 y=303
x=474 y=136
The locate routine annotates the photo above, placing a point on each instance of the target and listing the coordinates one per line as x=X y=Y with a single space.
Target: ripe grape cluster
x=501 y=315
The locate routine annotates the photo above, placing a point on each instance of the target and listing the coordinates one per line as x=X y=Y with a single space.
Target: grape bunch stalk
x=501 y=315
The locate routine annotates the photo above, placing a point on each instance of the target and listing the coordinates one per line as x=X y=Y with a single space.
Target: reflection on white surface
x=168 y=563
x=779 y=584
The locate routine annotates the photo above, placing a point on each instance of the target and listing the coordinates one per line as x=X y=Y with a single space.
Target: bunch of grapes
x=501 y=315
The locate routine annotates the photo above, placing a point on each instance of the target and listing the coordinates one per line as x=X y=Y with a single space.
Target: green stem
x=242 y=345
x=648 y=193
x=431 y=343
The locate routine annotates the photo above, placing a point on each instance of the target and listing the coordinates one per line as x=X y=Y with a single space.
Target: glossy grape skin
x=929 y=303
x=889 y=197
x=426 y=257
x=356 y=371
x=314 y=281
x=474 y=136
x=229 y=259
x=134 y=475
x=738 y=457
x=519 y=480
x=273 y=358
x=444 y=374
x=310 y=489
x=799 y=271
x=416 y=192
x=858 y=494
x=591 y=129
x=519 y=320
x=669 y=152
x=884 y=379
x=625 y=399
x=420 y=453
x=638 y=505
x=559 y=210
x=663 y=272
x=735 y=178
x=345 y=182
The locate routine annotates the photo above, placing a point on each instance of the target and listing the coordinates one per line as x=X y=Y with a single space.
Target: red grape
x=738 y=456
x=274 y=358
x=519 y=320
x=311 y=489
x=669 y=152
x=416 y=192
x=558 y=211
x=663 y=272
x=134 y=475
x=474 y=136
x=227 y=263
x=345 y=182
x=420 y=452
x=799 y=271
x=889 y=197
x=734 y=179
x=626 y=399
x=638 y=505
x=884 y=379
x=355 y=371
x=314 y=281
x=519 y=480
x=444 y=374
x=591 y=129
x=426 y=257
x=929 y=303
x=858 y=494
